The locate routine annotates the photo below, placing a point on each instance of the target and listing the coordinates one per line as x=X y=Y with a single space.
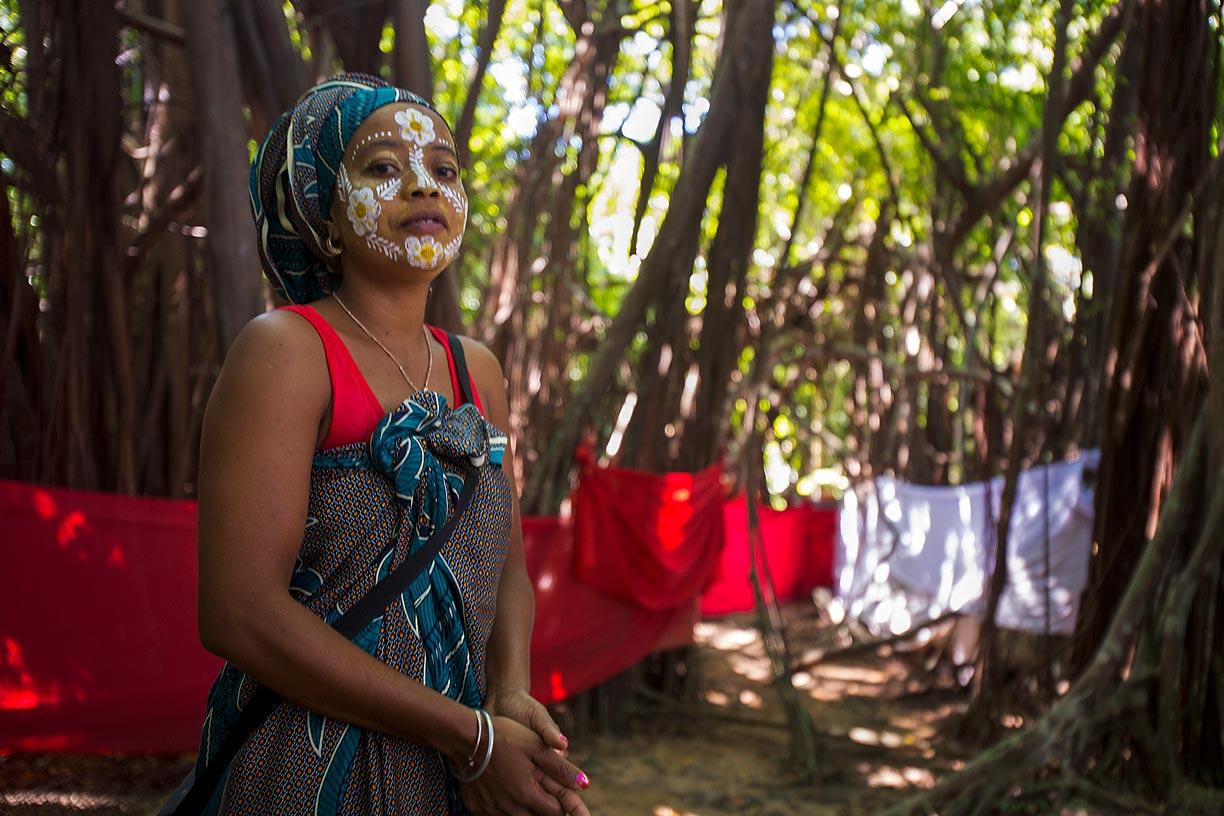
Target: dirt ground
x=720 y=747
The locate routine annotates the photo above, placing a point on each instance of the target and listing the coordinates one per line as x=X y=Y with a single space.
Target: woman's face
x=399 y=197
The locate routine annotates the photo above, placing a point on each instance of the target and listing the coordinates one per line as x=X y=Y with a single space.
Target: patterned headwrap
x=293 y=177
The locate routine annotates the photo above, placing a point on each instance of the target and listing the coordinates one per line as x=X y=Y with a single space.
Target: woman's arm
x=258 y=441
x=508 y=665
x=259 y=436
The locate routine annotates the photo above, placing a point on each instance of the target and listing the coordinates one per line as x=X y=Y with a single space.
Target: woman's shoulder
x=281 y=350
x=277 y=332
x=476 y=352
x=487 y=377
x=273 y=388
x=482 y=364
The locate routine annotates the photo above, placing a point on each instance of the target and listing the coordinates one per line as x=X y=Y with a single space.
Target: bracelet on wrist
x=471 y=759
x=473 y=772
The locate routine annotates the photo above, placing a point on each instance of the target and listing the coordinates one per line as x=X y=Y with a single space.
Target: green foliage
x=923 y=108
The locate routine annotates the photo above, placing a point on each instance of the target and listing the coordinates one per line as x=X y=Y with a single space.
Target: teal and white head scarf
x=293 y=178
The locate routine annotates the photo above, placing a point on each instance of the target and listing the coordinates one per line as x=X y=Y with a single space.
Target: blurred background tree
x=942 y=240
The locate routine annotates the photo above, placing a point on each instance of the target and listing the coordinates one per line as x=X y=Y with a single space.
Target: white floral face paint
x=421 y=250
x=458 y=206
x=363 y=210
x=415 y=127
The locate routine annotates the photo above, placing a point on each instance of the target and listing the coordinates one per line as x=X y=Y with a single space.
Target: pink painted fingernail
x=564 y=738
x=582 y=780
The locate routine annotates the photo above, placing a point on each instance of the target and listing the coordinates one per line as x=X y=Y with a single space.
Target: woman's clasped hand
x=525 y=776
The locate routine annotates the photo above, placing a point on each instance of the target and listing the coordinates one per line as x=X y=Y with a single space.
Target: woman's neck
x=387 y=311
x=391 y=317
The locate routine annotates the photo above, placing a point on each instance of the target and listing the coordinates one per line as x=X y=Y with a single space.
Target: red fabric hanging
x=645 y=538
x=98 y=643
x=798 y=550
x=582 y=636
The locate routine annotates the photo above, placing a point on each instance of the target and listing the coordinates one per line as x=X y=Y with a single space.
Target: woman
x=343 y=435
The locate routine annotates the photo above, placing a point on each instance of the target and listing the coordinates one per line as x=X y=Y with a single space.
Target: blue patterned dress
x=370 y=506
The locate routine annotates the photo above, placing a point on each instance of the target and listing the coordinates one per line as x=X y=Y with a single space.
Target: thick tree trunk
x=97 y=301
x=273 y=75
x=531 y=303
x=730 y=255
x=213 y=54
x=355 y=29
x=1157 y=379
x=413 y=68
x=1034 y=383
x=495 y=11
x=683 y=13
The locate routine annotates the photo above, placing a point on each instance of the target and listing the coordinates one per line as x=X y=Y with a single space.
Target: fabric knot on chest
x=411 y=444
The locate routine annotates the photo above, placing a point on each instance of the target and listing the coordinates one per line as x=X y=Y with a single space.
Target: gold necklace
x=386 y=351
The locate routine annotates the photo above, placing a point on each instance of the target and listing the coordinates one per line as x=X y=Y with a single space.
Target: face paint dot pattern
x=382 y=134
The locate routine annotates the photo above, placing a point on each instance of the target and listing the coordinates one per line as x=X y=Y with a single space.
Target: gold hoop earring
x=331 y=248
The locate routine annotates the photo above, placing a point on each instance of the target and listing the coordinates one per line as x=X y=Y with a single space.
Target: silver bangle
x=484 y=763
x=471 y=760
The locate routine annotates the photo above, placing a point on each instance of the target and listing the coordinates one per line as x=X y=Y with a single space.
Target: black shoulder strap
x=461 y=369
x=370 y=606
x=381 y=595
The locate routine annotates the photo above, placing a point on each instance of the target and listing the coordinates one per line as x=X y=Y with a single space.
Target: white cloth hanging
x=908 y=553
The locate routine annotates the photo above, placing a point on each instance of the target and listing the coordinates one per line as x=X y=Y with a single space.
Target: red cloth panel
x=798 y=544
x=648 y=539
x=582 y=636
x=98 y=644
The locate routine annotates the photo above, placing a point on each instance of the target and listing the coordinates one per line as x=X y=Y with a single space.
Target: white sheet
x=907 y=553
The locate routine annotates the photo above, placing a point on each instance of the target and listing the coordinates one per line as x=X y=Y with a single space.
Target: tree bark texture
x=217 y=90
x=1155 y=371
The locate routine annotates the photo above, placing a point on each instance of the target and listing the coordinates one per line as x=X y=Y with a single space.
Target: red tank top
x=354 y=408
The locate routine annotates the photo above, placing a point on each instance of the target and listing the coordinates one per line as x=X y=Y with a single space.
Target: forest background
x=816 y=241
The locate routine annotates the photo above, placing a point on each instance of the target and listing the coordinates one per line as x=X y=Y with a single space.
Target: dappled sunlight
x=756 y=669
x=75 y=800
x=724 y=636
x=923 y=722
x=852 y=674
x=750 y=699
x=888 y=739
x=887 y=776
